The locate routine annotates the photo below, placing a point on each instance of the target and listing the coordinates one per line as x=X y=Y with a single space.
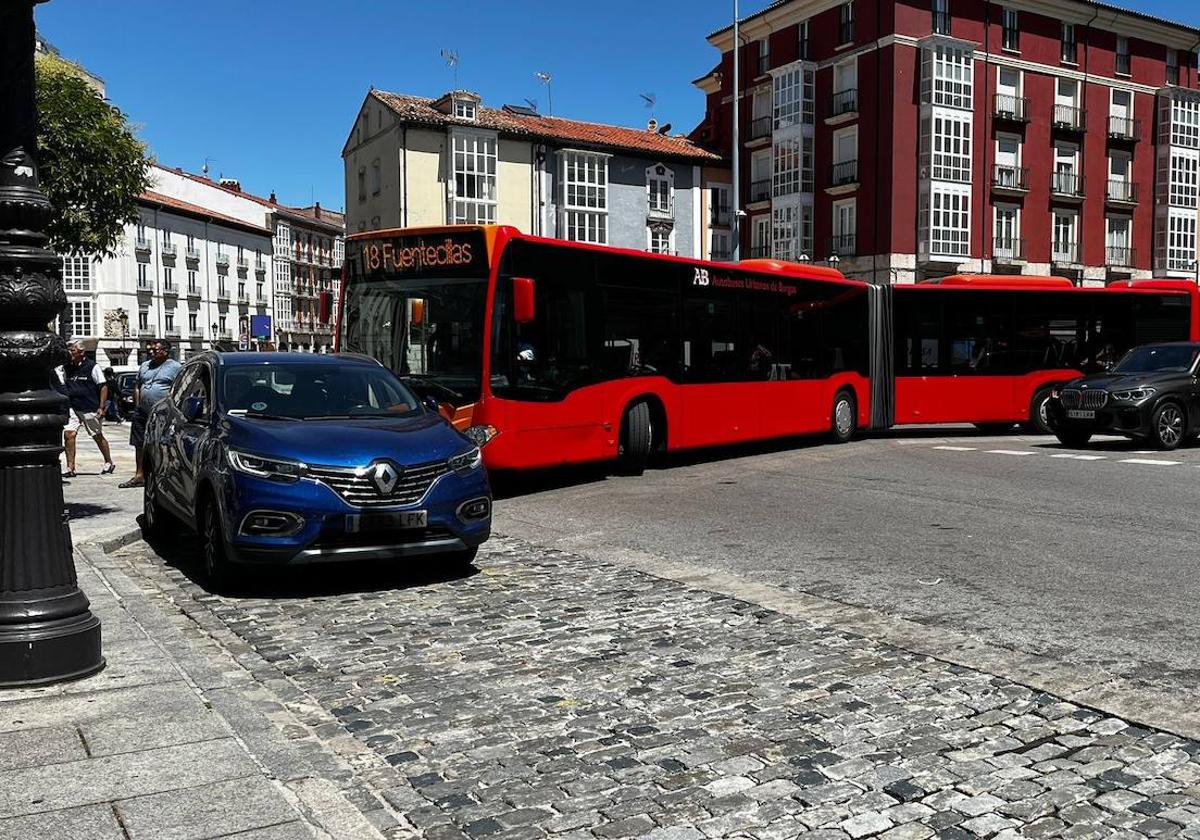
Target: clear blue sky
x=269 y=88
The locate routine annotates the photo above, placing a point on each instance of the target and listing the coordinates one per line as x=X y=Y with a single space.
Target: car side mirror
x=193 y=408
x=524 y=290
x=432 y=404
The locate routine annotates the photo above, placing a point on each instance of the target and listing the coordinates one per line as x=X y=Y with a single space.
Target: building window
x=166 y=236
x=947 y=76
x=951 y=148
x=1007 y=244
x=464 y=109
x=167 y=281
x=1181 y=241
x=1065 y=241
x=660 y=240
x=1184 y=185
x=788 y=90
x=584 y=177
x=82 y=318
x=143 y=320
x=803 y=38
x=192 y=287
x=1122 y=55
x=845 y=156
x=1172 y=67
x=660 y=191
x=785 y=178
x=808 y=167
x=1185 y=123
x=1010 y=36
x=845 y=227
x=1069 y=51
x=941 y=17
x=193 y=323
x=376 y=177
x=362 y=184
x=846 y=23
x=764 y=56
x=142 y=275
x=950 y=222
x=785 y=230
x=77 y=274
x=474 y=179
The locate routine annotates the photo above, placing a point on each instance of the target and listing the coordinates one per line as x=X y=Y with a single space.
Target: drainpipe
x=1087 y=31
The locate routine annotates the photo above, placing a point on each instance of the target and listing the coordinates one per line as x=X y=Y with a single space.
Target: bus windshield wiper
x=427 y=380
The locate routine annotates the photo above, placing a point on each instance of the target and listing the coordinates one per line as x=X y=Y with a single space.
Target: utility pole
x=47 y=630
x=736 y=218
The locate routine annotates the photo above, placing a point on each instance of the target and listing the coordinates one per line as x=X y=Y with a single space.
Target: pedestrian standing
x=154 y=380
x=87 y=392
x=112 y=408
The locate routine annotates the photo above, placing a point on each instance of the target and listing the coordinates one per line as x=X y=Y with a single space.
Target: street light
x=47 y=630
x=834 y=259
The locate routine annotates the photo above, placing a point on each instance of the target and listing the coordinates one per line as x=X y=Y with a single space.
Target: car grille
x=1072 y=398
x=357 y=487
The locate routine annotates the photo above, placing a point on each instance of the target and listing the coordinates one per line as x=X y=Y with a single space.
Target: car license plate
x=1080 y=414
x=358 y=522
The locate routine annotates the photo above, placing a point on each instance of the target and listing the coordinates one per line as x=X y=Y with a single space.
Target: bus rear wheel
x=637 y=436
x=844 y=424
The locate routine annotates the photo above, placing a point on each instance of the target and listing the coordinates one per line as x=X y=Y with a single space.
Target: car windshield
x=315 y=391
x=1160 y=358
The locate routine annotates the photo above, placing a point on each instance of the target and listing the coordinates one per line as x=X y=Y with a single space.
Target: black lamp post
x=47 y=632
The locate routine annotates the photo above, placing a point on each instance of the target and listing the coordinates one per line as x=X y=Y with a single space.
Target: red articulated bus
x=573 y=352
x=576 y=352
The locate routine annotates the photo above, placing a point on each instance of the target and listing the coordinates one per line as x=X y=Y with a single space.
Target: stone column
x=47 y=632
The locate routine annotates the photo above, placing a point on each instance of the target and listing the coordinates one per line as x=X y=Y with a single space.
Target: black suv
x=1150 y=395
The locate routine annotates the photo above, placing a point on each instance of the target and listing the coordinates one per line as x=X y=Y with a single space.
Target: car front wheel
x=1167 y=426
x=216 y=555
x=153 y=514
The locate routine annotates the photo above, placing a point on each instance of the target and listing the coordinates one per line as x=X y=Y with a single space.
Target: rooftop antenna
x=207 y=161
x=650 y=100
x=545 y=79
x=532 y=103
x=451 y=59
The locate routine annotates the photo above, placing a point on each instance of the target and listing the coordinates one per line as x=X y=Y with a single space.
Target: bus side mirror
x=523 y=299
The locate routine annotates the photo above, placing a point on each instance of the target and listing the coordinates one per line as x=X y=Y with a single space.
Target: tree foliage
x=92 y=167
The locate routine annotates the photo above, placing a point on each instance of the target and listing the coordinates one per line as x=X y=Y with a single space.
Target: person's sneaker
x=133 y=482
x=109 y=469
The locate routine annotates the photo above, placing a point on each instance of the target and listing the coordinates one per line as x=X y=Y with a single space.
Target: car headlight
x=467 y=461
x=275 y=469
x=1133 y=395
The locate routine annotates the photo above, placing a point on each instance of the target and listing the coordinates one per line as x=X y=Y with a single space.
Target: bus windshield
x=428 y=331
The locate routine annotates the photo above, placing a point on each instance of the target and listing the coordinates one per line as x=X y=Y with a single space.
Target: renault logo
x=384 y=476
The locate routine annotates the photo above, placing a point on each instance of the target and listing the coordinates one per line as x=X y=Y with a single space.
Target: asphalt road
x=1088 y=556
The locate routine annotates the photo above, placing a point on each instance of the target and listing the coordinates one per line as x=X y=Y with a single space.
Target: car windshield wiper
x=254 y=415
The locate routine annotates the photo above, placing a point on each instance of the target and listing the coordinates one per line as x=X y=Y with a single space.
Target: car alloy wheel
x=150 y=503
x=1169 y=425
x=215 y=562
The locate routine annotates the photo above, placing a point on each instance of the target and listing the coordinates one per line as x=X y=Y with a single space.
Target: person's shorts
x=137 y=429
x=88 y=421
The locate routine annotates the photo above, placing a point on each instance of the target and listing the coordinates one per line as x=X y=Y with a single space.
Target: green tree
x=92 y=167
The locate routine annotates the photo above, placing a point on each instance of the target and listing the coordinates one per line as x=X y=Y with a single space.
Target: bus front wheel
x=845 y=417
x=637 y=436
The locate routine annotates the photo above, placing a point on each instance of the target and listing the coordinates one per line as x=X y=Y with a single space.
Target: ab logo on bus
x=701 y=278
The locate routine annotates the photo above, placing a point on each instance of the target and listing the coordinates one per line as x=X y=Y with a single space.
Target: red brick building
x=916 y=139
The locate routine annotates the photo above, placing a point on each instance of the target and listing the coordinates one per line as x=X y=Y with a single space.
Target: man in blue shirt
x=154 y=381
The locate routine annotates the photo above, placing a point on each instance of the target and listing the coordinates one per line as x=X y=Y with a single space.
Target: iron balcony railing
x=722 y=255
x=1064 y=252
x=222 y=294
x=1122 y=191
x=843 y=245
x=1011 y=108
x=760 y=190
x=760 y=127
x=760 y=251
x=170 y=289
x=1124 y=128
x=719 y=214
x=1008 y=249
x=1070 y=118
x=1014 y=178
x=1067 y=184
x=843 y=102
x=141 y=243
x=841 y=174
x=1120 y=256
x=193 y=291
x=167 y=249
x=192 y=252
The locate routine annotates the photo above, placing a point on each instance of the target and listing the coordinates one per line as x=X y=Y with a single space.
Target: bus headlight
x=467 y=461
x=480 y=435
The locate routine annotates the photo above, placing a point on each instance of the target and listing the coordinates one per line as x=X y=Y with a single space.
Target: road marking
x=956 y=448
x=1075 y=457
x=1153 y=462
x=1010 y=452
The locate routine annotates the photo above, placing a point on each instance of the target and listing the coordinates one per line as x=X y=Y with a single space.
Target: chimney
x=272 y=198
x=652 y=126
x=317 y=210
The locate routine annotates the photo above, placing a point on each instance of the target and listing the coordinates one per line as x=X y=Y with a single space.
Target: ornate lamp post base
x=47 y=632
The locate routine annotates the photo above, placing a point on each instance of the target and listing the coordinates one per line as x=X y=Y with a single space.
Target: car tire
x=843 y=424
x=637 y=436
x=217 y=566
x=1039 y=414
x=1073 y=438
x=153 y=513
x=1168 y=425
x=462 y=561
x=994 y=428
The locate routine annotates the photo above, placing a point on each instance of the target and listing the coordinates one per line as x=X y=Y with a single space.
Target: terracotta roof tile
x=419 y=109
x=196 y=210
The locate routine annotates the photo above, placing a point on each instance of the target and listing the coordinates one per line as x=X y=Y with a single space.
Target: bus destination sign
x=446 y=253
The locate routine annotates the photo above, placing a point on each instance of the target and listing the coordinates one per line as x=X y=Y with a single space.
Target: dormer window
x=464 y=109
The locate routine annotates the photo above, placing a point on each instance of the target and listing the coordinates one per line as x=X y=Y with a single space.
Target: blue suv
x=297 y=458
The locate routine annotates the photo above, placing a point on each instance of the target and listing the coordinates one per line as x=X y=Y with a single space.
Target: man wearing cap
x=85 y=388
x=154 y=380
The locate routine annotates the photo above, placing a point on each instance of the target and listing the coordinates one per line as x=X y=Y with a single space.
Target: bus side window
x=709 y=341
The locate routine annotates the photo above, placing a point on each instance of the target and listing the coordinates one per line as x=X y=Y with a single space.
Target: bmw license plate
x=1080 y=414
x=358 y=522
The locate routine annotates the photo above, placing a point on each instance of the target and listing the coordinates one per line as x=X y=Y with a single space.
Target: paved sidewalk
x=98 y=508
x=172 y=740
x=551 y=694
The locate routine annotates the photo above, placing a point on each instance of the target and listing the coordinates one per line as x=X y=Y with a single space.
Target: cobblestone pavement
x=555 y=695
